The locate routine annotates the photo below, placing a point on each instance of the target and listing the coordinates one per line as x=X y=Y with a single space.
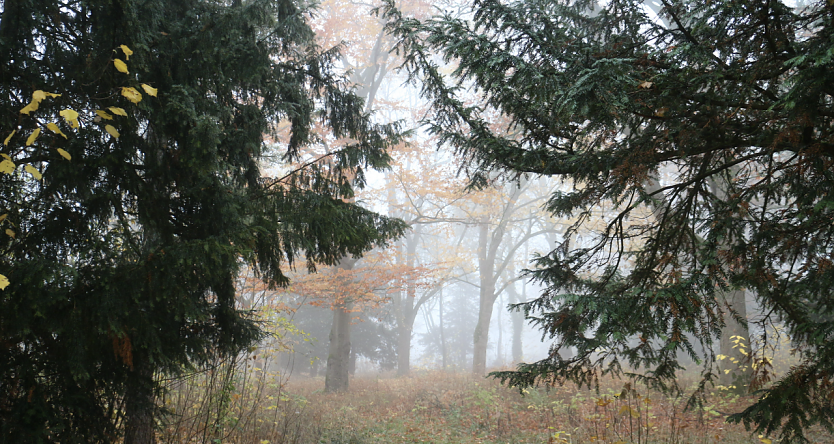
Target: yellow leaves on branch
x=104 y=114
x=31 y=107
x=37 y=97
x=149 y=90
x=7 y=166
x=120 y=66
x=54 y=128
x=33 y=137
x=33 y=171
x=127 y=51
x=6 y=142
x=117 y=111
x=64 y=154
x=4 y=282
x=131 y=94
x=71 y=116
x=112 y=131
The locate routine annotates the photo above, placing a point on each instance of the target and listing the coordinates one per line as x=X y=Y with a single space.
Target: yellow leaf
x=117 y=111
x=765 y=440
x=40 y=95
x=127 y=51
x=54 y=128
x=70 y=116
x=10 y=232
x=646 y=85
x=33 y=171
x=149 y=90
x=33 y=106
x=33 y=136
x=5 y=156
x=64 y=154
x=131 y=94
x=121 y=66
x=104 y=115
x=4 y=282
x=112 y=131
x=6 y=142
x=3 y=217
x=7 y=166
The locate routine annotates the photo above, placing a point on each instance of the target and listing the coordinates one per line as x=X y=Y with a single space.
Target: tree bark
x=338 y=366
x=139 y=405
x=338 y=356
x=486 y=269
x=517 y=320
x=443 y=352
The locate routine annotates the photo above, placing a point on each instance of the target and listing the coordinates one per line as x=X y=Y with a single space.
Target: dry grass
x=437 y=407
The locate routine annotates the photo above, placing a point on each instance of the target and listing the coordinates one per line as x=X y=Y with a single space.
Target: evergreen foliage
x=125 y=256
x=708 y=126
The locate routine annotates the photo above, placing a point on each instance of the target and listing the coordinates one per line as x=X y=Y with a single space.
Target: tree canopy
x=706 y=127
x=121 y=259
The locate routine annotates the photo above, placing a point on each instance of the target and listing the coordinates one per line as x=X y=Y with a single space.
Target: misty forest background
x=425 y=221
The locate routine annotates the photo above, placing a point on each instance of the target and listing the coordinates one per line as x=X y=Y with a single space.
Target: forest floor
x=439 y=407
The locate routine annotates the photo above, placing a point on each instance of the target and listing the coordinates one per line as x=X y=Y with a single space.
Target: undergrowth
x=255 y=406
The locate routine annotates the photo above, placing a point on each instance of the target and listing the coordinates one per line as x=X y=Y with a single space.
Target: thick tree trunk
x=139 y=406
x=481 y=336
x=338 y=357
x=404 y=333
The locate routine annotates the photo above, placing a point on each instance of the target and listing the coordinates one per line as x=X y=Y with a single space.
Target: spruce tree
x=121 y=258
x=707 y=127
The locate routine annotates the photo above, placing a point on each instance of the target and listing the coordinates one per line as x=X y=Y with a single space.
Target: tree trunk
x=486 y=268
x=736 y=370
x=443 y=352
x=404 y=332
x=139 y=406
x=517 y=320
x=406 y=308
x=338 y=356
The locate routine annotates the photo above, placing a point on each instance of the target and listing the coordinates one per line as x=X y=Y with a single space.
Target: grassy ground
x=437 y=407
